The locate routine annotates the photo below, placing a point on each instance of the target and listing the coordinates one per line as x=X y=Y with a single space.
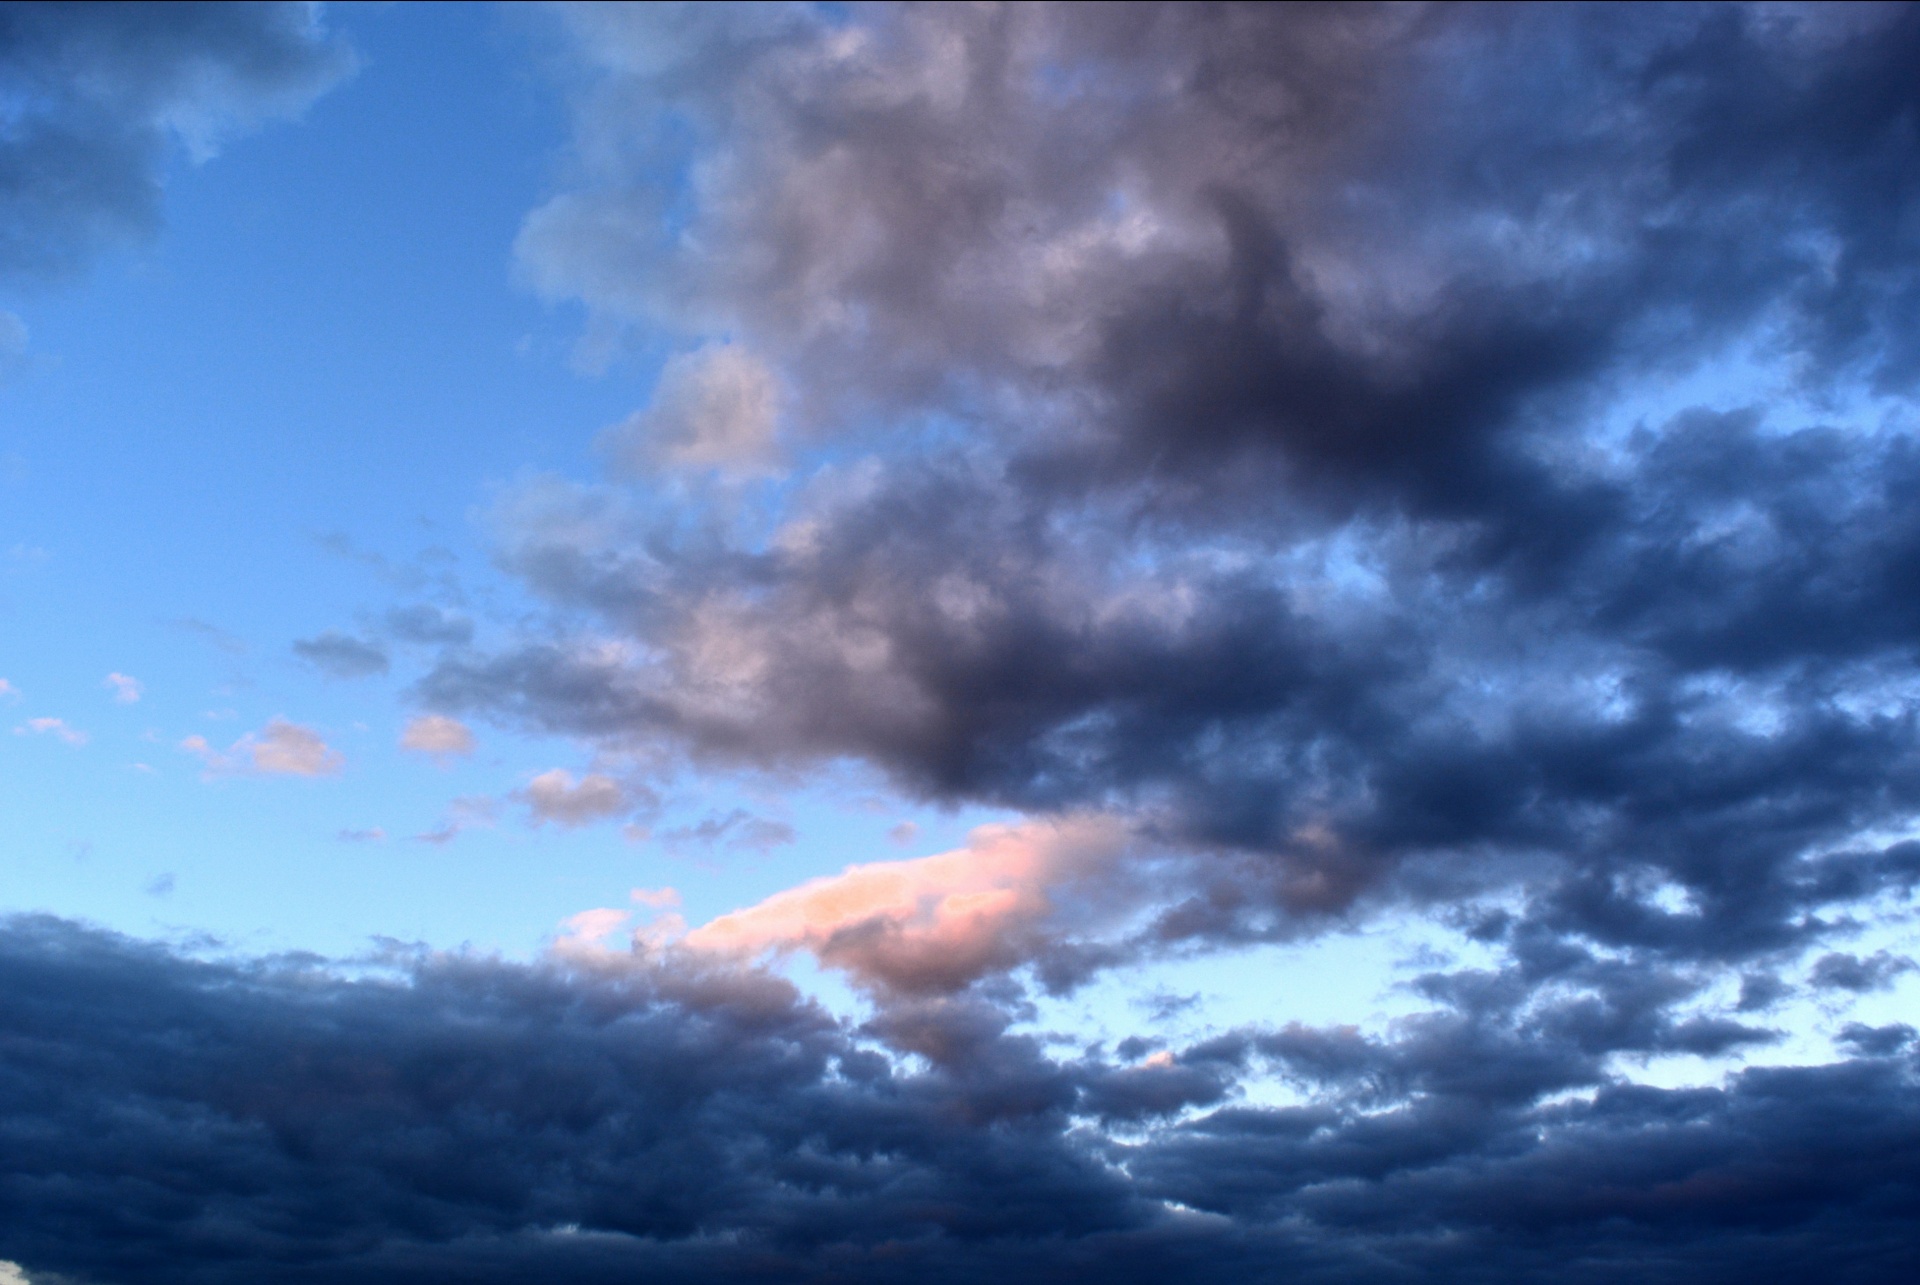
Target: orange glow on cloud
x=930 y=924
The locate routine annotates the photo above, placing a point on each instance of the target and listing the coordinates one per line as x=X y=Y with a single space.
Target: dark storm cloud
x=168 y=1119
x=1324 y=495
x=96 y=95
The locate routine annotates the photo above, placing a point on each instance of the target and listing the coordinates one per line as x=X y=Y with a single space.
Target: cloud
x=1399 y=485
x=603 y=1121
x=438 y=735
x=52 y=727
x=101 y=95
x=280 y=748
x=934 y=924
x=425 y=623
x=1313 y=466
x=738 y=830
x=474 y=811
x=713 y=409
x=126 y=690
x=339 y=655
x=8 y=691
x=555 y=796
x=1852 y=973
x=373 y=834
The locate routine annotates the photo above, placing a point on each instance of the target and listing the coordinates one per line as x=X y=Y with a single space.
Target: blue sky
x=897 y=642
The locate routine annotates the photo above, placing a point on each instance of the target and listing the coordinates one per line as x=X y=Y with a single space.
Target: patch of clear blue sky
x=325 y=341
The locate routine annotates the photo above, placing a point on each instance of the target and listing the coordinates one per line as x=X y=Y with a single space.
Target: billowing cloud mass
x=1405 y=453
x=280 y=748
x=1315 y=466
x=1361 y=460
x=97 y=94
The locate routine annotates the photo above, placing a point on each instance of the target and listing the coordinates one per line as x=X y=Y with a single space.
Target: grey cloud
x=1840 y=971
x=425 y=623
x=341 y=655
x=1301 y=508
x=98 y=94
x=738 y=829
x=457 y=1117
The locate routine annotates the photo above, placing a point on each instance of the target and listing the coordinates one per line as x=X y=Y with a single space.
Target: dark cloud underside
x=463 y=1119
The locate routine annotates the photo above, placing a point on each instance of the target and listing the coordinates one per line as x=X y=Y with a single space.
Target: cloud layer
x=171 y=1119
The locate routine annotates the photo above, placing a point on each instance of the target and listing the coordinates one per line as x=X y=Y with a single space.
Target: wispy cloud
x=126 y=690
x=55 y=727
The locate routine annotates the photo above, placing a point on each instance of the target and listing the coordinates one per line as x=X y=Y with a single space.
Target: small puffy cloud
x=126 y=689
x=556 y=796
x=8 y=691
x=717 y=408
x=339 y=655
x=281 y=748
x=52 y=727
x=161 y=885
x=438 y=735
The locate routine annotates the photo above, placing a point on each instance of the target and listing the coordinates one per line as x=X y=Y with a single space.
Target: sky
x=868 y=642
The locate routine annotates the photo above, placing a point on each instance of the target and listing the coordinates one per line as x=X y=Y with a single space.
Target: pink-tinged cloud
x=281 y=748
x=52 y=727
x=936 y=923
x=126 y=689
x=8 y=691
x=437 y=735
x=556 y=796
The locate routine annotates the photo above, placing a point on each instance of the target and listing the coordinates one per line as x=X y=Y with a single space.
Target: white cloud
x=52 y=727
x=437 y=735
x=281 y=748
x=126 y=689
x=8 y=691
